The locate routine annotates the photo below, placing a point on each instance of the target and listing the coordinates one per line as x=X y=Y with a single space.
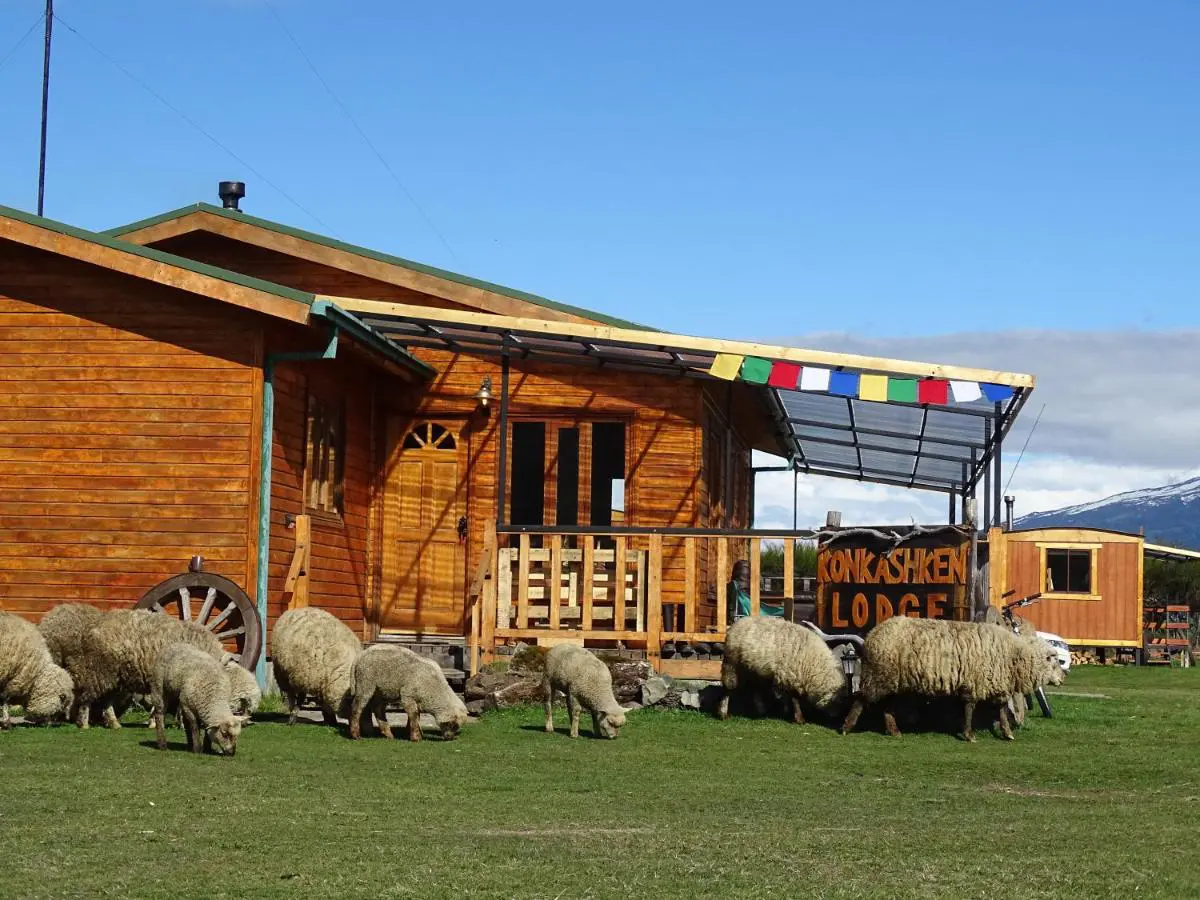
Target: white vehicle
x=1060 y=647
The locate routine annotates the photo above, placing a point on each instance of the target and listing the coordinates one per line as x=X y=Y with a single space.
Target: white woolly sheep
x=66 y=629
x=121 y=652
x=313 y=655
x=383 y=674
x=586 y=682
x=245 y=693
x=28 y=675
x=195 y=686
x=789 y=657
x=977 y=661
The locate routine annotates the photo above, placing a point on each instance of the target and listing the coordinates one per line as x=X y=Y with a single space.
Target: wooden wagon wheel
x=216 y=603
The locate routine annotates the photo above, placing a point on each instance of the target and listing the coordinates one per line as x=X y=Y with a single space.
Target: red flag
x=784 y=375
x=933 y=390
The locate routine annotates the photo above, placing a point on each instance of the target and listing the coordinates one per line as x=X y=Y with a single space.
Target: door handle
x=462 y=529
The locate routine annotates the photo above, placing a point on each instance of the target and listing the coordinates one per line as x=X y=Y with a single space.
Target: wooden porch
x=620 y=587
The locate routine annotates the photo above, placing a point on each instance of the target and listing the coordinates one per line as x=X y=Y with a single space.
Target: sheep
x=787 y=656
x=120 y=653
x=976 y=661
x=28 y=675
x=313 y=654
x=195 y=686
x=246 y=694
x=383 y=674
x=65 y=629
x=585 y=681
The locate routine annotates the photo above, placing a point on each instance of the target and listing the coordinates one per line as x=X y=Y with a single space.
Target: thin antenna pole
x=45 y=108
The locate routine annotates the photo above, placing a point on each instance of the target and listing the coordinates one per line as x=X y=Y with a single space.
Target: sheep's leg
x=548 y=690
x=192 y=727
x=5 y=721
x=852 y=717
x=889 y=717
x=596 y=725
x=573 y=712
x=968 y=716
x=381 y=719
x=160 y=733
x=329 y=715
x=110 y=718
x=723 y=706
x=83 y=715
x=293 y=706
x=1005 y=725
x=414 y=721
x=358 y=708
x=797 y=712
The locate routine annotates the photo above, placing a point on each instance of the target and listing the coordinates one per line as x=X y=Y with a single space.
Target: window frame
x=330 y=409
x=1093 y=551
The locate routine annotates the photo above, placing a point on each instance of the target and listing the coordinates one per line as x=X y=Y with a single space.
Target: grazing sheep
x=384 y=674
x=313 y=654
x=585 y=681
x=195 y=686
x=120 y=654
x=789 y=657
x=245 y=693
x=28 y=674
x=977 y=661
x=66 y=629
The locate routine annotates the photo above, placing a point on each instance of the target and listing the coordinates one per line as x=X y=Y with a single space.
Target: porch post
x=996 y=465
x=502 y=464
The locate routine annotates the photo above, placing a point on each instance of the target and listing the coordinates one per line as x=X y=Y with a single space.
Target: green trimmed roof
x=106 y=239
x=378 y=256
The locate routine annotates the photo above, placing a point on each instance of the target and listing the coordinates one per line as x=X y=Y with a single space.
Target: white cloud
x=1120 y=414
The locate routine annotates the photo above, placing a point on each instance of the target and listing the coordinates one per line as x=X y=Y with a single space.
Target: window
x=1068 y=571
x=324 y=468
x=566 y=472
x=528 y=487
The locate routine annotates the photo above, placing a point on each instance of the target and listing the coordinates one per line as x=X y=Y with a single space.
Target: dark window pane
x=567 y=506
x=1079 y=574
x=608 y=464
x=528 y=488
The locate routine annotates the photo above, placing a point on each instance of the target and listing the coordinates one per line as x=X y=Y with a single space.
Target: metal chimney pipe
x=230 y=193
x=1009 y=500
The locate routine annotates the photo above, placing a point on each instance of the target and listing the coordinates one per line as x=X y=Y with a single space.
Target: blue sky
x=749 y=170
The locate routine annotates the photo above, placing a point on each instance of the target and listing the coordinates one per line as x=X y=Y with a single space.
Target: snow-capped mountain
x=1169 y=514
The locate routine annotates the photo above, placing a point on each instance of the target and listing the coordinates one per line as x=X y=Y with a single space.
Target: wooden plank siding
x=128 y=422
x=1115 y=615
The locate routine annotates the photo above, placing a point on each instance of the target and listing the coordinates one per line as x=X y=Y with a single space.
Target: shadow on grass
x=565 y=732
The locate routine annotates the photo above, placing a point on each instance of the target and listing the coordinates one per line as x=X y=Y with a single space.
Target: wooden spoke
x=185 y=604
x=226 y=611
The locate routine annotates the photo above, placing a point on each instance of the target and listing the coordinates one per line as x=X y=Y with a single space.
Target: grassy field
x=1103 y=800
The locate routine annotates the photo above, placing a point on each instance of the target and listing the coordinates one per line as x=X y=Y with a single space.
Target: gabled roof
x=150 y=230
x=194 y=277
x=154 y=265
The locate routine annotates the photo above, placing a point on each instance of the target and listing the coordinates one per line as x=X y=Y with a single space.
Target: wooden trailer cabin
x=431 y=457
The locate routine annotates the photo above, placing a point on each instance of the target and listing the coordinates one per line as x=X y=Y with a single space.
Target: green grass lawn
x=1102 y=800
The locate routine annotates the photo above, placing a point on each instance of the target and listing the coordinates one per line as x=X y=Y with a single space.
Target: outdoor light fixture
x=484 y=394
x=850 y=667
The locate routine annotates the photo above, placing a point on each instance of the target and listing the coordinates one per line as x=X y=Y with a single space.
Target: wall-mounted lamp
x=484 y=394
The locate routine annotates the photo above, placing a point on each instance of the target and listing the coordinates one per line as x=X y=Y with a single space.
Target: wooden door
x=423 y=586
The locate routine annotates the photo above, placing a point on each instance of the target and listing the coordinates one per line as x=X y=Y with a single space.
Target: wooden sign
x=863 y=580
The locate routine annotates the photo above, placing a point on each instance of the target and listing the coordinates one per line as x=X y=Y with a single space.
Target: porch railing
x=642 y=587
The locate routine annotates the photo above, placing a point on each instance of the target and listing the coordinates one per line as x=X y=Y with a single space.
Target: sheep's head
x=224 y=735
x=52 y=695
x=1050 y=671
x=611 y=722
x=452 y=721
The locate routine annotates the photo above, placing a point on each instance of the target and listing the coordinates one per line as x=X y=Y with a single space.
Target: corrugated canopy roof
x=932 y=446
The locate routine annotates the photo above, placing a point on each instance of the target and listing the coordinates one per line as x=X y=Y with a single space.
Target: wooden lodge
x=324 y=424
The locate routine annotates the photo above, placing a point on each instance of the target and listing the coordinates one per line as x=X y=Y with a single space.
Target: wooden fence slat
x=654 y=598
x=554 y=581
x=722 y=584
x=755 y=574
x=619 y=585
x=523 y=583
x=589 y=565
x=689 y=608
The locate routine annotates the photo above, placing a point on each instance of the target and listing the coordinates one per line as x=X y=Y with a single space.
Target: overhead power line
x=1021 y=455
x=346 y=111
x=21 y=43
x=167 y=103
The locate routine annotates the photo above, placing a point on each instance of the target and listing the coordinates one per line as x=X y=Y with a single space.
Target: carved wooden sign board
x=863 y=580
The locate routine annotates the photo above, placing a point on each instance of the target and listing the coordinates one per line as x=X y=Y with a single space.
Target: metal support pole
x=45 y=108
x=996 y=476
x=502 y=464
x=952 y=496
x=986 y=512
x=795 y=496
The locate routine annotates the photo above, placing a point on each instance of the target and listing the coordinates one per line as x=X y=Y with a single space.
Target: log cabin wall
x=1107 y=613
x=129 y=422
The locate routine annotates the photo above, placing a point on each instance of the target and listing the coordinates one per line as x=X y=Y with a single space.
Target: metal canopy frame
x=945 y=448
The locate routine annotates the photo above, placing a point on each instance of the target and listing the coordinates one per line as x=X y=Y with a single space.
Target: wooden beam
x=654 y=574
x=664 y=341
x=487 y=636
x=588 y=564
x=131 y=263
x=722 y=583
x=295 y=585
x=523 y=583
x=755 y=575
x=700 y=669
x=619 y=584
x=689 y=596
x=554 y=581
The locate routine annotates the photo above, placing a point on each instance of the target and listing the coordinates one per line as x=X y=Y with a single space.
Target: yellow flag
x=873 y=387
x=726 y=366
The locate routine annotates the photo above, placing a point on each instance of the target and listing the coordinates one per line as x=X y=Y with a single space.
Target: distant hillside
x=1169 y=515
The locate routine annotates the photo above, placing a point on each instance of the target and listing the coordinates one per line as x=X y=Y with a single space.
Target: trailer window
x=324 y=470
x=1069 y=571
